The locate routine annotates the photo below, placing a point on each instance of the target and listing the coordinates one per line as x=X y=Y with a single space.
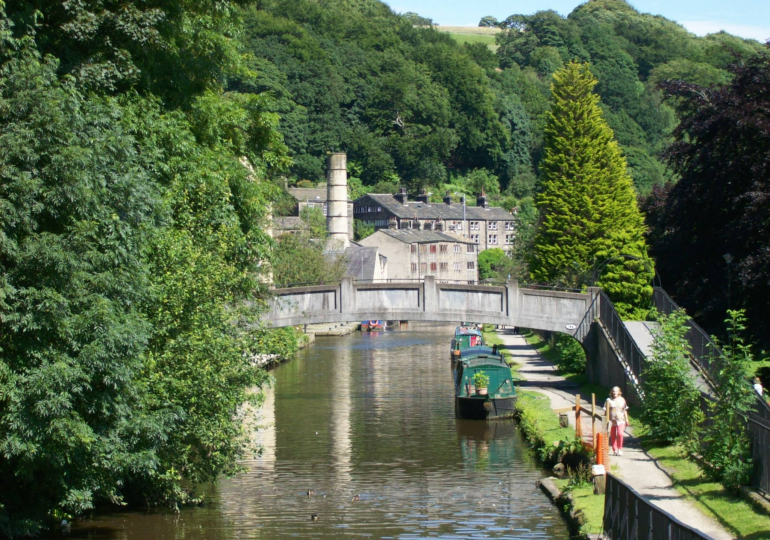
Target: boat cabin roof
x=471 y=353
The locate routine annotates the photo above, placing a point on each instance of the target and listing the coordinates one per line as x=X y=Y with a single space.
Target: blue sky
x=745 y=18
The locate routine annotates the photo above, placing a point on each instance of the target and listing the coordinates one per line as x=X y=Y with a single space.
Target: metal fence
x=632 y=356
x=704 y=351
x=627 y=516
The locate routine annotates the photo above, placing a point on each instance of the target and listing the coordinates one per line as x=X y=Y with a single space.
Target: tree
x=719 y=205
x=671 y=397
x=727 y=448
x=488 y=22
x=590 y=220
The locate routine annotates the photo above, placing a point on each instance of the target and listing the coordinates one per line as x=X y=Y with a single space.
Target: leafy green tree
x=488 y=21
x=671 y=398
x=362 y=230
x=76 y=204
x=588 y=207
x=727 y=448
x=570 y=356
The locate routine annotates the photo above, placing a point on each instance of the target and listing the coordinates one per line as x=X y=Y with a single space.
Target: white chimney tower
x=337 y=201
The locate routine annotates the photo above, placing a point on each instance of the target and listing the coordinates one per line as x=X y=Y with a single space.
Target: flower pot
x=481 y=391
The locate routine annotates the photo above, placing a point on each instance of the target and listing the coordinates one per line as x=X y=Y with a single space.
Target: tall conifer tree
x=591 y=227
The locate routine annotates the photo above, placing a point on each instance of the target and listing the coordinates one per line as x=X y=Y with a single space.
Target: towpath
x=635 y=466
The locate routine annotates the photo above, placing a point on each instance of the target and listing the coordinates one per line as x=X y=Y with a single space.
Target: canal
x=367 y=423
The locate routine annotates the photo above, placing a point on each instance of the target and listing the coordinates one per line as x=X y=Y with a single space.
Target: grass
x=472 y=34
x=539 y=423
x=737 y=515
x=590 y=505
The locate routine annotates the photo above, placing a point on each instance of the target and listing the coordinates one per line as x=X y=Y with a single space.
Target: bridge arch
x=435 y=301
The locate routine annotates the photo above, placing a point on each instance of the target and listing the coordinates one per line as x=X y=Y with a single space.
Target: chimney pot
x=401 y=196
x=447 y=198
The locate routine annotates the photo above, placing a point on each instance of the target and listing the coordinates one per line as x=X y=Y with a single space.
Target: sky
x=745 y=18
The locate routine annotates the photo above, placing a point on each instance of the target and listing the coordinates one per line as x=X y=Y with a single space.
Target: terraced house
x=488 y=227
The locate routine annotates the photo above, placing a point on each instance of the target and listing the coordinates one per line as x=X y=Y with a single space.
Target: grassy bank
x=711 y=498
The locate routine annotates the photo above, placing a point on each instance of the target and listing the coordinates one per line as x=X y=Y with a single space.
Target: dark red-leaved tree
x=721 y=205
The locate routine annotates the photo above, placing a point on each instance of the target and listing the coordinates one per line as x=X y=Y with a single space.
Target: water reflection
x=369 y=415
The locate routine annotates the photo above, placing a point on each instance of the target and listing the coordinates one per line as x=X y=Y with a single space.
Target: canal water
x=367 y=423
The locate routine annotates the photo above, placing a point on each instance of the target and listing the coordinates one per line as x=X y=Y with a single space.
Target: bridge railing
x=704 y=351
x=629 y=350
x=627 y=516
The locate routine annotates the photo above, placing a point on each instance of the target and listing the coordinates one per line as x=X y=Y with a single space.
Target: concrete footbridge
x=431 y=300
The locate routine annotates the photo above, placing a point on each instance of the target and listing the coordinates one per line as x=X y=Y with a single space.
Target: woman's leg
x=613 y=438
x=619 y=436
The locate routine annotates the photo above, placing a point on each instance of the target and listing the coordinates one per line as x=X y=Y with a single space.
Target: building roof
x=289 y=223
x=362 y=261
x=308 y=194
x=414 y=236
x=419 y=210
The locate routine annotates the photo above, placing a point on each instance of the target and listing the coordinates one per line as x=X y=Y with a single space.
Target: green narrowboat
x=465 y=336
x=483 y=385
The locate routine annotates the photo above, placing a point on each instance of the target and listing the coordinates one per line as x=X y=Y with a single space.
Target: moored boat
x=465 y=337
x=483 y=385
x=372 y=326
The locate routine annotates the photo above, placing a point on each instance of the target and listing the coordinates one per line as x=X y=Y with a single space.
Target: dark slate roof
x=289 y=223
x=418 y=210
x=361 y=261
x=308 y=194
x=414 y=236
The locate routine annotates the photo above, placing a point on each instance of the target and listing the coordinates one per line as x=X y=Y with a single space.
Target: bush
x=571 y=358
x=671 y=399
x=727 y=446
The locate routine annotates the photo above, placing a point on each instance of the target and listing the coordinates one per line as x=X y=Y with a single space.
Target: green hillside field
x=472 y=34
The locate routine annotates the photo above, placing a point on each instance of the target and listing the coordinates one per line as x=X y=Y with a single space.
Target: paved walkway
x=635 y=466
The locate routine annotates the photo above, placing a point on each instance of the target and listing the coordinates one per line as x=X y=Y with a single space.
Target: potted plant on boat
x=481 y=382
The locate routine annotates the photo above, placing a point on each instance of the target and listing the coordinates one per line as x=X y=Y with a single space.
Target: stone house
x=488 y=227
x=414 y=254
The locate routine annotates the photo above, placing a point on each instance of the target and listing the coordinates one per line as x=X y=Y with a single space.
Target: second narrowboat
x=465 y=337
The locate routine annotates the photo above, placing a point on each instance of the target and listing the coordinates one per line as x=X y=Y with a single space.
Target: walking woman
x=616 y=410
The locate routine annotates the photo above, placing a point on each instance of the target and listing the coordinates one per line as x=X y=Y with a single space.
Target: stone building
x=488 y=227
x=414 y=254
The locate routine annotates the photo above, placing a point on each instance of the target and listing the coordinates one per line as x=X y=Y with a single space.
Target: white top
x=616 y=410
x=758 y=388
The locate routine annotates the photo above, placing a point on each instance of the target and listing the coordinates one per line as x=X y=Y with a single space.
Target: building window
x=423 y=248
x=471 y=248
x=443 y=248
x=509 y=225
x=414 y=268
x=444 y=267
x=414 y=248
x=474 y=225
x=458 y=225
x=379 y=208
x=423 y=267
x=432 y=267
x=457 y=248
x=475 y=238
x=471 y=265
x=509 y=239
x=457 y=267
x=433 y=248
x=493 y=239
x=493 y=225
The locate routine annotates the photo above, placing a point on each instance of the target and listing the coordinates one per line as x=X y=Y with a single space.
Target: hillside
x=425 y=106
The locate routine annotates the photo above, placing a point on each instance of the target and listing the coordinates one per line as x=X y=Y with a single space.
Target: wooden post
x=593 y=421
x=578 y=427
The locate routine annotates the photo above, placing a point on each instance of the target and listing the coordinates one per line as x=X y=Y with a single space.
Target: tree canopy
x=590 y=227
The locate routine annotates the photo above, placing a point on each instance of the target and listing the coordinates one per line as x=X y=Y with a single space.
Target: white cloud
x=701 y=28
